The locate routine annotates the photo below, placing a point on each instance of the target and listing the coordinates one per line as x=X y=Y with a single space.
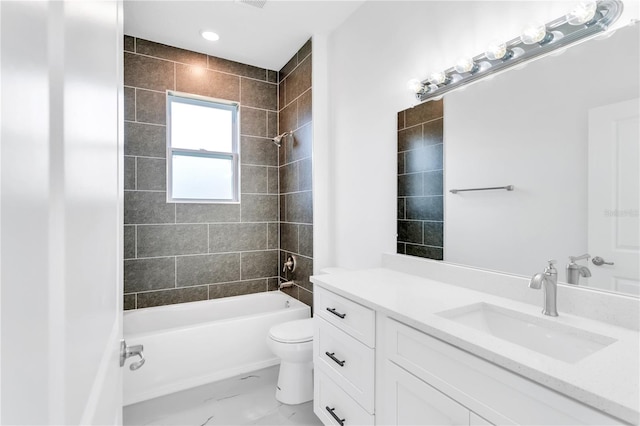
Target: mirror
x=564 y=131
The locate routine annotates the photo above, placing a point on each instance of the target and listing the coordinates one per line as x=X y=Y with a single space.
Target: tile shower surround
x=182 y=252
x=420 y=185
x=295 y=172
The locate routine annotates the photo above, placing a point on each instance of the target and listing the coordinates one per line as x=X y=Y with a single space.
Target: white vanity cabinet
x=433 y=382
x=371 y=368
x=344 y=360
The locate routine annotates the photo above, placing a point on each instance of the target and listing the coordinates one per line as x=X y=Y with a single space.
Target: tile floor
x=248 y=399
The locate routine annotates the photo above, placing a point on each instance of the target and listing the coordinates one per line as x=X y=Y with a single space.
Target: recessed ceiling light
x=210 y=35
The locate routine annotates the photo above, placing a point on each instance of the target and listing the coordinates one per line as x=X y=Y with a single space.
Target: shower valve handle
x=290 y=264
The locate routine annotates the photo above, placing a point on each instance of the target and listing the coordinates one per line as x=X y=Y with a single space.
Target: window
x=202 y=150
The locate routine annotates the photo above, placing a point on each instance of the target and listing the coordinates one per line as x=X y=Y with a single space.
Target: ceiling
x=265 y=37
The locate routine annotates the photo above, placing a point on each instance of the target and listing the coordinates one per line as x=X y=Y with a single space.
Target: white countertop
x=607 y=380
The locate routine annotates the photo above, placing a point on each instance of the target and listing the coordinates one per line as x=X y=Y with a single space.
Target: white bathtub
x=191 y=344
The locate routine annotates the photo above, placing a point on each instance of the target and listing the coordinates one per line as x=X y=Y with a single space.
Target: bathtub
x=191 y=344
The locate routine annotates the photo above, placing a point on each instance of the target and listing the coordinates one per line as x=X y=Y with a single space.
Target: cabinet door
x=410 y=401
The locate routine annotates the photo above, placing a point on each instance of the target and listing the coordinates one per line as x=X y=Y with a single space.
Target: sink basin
x=559 y=341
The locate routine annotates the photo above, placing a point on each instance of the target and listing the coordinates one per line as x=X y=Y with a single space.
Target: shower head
x=278 y=139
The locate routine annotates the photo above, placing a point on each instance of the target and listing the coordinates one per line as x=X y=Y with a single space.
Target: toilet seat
x=298 y=331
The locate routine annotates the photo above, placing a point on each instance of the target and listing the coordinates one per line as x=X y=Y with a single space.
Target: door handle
x=127 y=351
x=598 y=261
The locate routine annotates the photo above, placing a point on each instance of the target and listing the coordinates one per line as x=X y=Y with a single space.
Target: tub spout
x=127 y=351
x=135 y=365
x=286 y=284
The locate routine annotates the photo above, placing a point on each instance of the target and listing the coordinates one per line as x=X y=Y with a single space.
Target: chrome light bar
x=533 y=43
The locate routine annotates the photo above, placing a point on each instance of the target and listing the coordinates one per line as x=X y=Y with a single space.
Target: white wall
x=322 y=176
x=371 y=57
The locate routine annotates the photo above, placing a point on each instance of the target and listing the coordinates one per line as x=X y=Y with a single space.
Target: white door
x=614 y=187
x=60 y=212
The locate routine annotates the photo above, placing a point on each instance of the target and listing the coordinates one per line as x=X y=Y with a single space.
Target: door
x=614 y=186
x=60 y=212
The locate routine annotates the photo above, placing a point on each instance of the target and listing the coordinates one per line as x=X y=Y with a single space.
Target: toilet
x=292 y=342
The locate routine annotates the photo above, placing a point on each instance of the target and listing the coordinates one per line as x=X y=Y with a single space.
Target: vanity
x=422 y=342
x=501 y=177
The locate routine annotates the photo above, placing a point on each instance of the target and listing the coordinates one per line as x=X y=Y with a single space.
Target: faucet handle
x=551 y=268
x=572 y=259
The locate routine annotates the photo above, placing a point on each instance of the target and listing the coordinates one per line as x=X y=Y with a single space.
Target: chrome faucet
x=549 y=281
x=575 y=271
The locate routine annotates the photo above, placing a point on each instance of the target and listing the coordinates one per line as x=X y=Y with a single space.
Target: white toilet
x=292 y=342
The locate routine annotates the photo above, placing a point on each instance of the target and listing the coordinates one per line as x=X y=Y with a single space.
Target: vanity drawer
x=353 y=318
x=496 y=394
x=329 y=396
x=347 y=361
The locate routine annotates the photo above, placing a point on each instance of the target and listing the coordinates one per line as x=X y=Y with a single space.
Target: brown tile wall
x=295 y=171
x=420 y=184
x=178 y=253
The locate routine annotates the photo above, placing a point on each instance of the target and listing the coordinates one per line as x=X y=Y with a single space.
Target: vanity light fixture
x=586 y=19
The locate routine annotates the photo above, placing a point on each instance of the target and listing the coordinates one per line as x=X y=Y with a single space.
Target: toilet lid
x=297 y=331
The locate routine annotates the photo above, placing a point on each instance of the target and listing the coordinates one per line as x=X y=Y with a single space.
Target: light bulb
x=414 y=85
x=210 y=35
x=582 y=13
x=496 y=50
x=533 y=33
x=437 y=77
x=465 y=65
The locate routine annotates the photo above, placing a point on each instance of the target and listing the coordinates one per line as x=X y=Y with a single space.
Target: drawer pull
x=330 y=410
x=336 y=313
x=331 y=355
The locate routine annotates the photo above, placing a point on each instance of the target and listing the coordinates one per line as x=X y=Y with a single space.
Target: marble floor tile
x=248 y=399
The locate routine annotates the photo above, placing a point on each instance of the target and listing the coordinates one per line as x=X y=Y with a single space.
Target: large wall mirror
x=564 y=131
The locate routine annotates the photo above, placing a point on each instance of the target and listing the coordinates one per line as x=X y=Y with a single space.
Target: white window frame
x=234 y=155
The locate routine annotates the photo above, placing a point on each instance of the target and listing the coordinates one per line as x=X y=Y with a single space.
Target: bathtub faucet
x=127 y=351
x=286 y=284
